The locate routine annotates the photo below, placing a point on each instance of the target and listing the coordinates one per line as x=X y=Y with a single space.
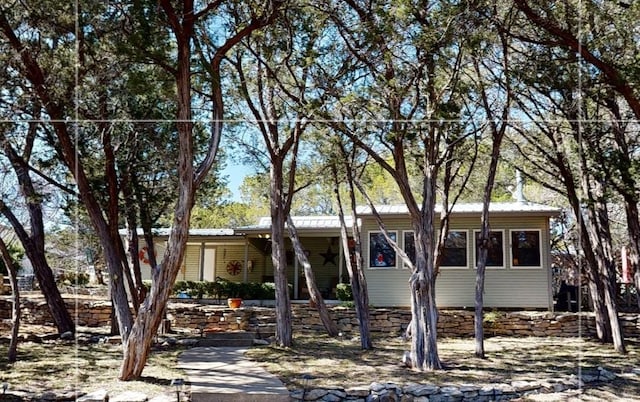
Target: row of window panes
x=525 y=249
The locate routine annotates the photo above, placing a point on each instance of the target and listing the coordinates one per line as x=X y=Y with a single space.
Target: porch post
x=245 y=269
x=201 y=261
x=340 y=259
x=296 y=280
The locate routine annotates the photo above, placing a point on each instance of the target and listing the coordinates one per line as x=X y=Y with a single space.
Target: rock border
x=412 y=392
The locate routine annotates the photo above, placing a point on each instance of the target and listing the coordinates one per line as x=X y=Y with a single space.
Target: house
x=518 y=271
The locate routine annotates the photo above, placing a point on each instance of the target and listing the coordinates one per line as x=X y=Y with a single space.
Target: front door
x=209 y=264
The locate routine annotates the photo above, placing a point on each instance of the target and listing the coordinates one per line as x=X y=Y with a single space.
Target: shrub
x=343 y=292
x=224 y=288
x=74 y=278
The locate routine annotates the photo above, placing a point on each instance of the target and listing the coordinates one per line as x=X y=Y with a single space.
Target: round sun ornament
x=234 y=267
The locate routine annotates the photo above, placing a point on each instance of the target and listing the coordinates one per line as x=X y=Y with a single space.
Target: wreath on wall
x=143 y=255
x=234 y=267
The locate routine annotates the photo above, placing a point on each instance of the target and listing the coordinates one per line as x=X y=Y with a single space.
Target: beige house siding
x=190 y=269
x=455 y=287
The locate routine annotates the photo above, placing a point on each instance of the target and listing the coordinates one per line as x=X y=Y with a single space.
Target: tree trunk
x=357 y=278
x=314 y=292
x=33 y=242
x=599 y=234
x=478 y=318
x=424 y=312
x=633 y=227
x=65 y=146
x=12 y=352
x=284 y=335
x=43 y=274
x=603 y=328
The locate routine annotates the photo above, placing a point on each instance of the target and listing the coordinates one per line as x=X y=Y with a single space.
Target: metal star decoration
x=329 y=256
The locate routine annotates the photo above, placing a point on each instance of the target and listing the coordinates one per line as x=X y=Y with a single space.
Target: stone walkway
x=224 y=374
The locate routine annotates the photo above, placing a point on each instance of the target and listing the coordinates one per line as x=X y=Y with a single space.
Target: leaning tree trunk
x=12 y=352
x=600 y=236
x=354 y=267
x=314 y=292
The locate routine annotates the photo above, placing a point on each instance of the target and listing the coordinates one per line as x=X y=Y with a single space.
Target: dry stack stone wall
x=195 y=317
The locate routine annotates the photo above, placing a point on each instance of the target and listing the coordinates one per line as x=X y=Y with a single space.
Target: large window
x=495 y=255
x=525 y=248
x=381 y=254
x=454 y=253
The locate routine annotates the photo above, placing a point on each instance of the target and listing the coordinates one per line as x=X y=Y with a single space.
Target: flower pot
x=234 y=302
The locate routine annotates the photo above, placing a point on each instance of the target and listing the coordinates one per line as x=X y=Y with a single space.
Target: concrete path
x=224 y=374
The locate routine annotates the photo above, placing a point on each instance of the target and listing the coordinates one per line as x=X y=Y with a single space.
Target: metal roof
x=192 y=232
x=303 y=222
x=469 y=208
x=328 y=222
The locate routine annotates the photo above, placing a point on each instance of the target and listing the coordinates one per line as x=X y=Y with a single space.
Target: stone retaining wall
x=195 y=317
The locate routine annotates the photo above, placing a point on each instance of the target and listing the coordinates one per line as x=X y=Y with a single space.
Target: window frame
x=475 y=249
x=369 y=260
x=466 y=255
x=511 y=245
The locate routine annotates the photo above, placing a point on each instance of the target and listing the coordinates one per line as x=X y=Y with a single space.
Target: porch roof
x=301 y=222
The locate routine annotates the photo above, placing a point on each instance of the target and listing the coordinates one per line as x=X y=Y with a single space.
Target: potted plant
x=232 y=290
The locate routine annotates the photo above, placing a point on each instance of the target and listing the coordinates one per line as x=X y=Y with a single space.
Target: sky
x=235 y=173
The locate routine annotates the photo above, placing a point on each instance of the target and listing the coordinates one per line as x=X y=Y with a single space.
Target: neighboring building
x=518 y=272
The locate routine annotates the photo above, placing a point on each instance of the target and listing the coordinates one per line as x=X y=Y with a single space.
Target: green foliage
x=492 y=317
x=73 y=278
x=343 y=292
x=223 y=288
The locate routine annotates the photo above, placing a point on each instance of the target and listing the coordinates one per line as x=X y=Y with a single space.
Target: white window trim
x=454 y=267
x=504 y=251
x=376 y=268
x=518 y=267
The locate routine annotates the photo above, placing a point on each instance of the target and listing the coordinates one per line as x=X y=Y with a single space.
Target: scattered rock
x=48 y=396
x=260 y=342
x=130 y=396
x=100 y=395
x=165 y=398
x=406 y=358
x=189 y=342
x=66 y=336
x=605 y=374
x=114 y=340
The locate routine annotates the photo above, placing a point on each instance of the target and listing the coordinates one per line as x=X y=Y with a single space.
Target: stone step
x=238 y=397
x=231 y=339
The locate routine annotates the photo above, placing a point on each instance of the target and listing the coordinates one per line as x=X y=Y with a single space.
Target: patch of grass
x=341 y=363
x=62 y=367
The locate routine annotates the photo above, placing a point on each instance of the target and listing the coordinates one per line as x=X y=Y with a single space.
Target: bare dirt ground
x=341 y=363
x=71 y=368
x=66 y=367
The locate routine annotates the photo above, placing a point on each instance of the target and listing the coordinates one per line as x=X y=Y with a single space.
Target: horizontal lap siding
x=507 y=287
x=227 y=253
x=503 y=288
x=190 y=270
